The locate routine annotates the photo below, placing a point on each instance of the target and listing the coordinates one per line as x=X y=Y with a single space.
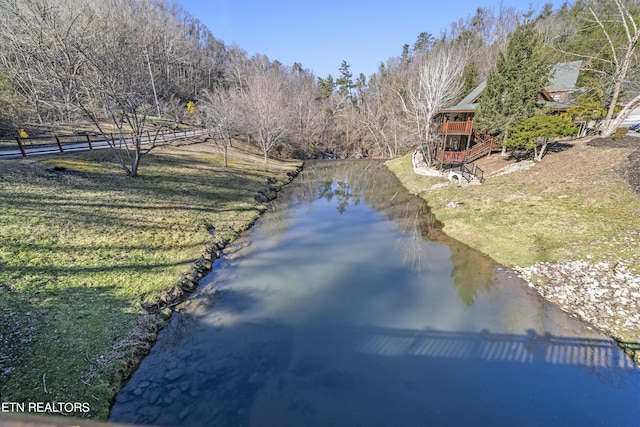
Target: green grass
x=81 y=251
x=542 y=214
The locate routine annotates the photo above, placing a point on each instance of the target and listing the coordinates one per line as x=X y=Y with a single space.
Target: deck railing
x=456 y=126
x=449 y=157
x=478 y=151
x=454 y=157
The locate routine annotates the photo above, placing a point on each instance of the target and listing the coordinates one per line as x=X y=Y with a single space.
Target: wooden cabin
x=460 y=142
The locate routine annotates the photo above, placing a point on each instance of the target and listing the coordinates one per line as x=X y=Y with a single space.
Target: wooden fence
x=81 y=141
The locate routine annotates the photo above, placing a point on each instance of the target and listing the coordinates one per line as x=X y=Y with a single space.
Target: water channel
x=346 y=305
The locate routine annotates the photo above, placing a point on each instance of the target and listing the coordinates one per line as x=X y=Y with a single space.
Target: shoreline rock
x=604 y=294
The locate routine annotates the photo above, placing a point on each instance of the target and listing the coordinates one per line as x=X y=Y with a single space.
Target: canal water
x=346 y=305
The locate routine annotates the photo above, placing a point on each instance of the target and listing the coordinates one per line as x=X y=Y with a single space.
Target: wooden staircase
x=485 y=145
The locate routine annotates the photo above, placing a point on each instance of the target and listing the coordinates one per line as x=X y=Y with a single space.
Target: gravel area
x=597 y=292
x=605 y=294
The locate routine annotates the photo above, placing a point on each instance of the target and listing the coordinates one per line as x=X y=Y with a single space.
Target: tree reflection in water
x=349 y=182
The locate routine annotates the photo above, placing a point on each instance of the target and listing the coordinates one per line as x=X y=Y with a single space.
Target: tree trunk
x=543 y=149
x=153 y=83
x=503 y=153
x=621 y=64
x=624 y=113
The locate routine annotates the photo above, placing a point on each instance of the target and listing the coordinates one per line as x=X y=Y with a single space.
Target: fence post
x=21 y=147
x=174 y=134
x=89 y=141
x=58 y=142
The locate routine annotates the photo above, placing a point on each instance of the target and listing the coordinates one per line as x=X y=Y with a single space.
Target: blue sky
x=320 y=34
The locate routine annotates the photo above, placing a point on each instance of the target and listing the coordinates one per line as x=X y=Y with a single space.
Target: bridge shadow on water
x=274 y=374
x=493 y=347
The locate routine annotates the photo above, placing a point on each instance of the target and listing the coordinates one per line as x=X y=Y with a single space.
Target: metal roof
x=467 y=108
x=473 y=96
x=564 y=76
x=460 y=108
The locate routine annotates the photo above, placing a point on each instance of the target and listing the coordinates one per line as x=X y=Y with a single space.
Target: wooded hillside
x=140 y=64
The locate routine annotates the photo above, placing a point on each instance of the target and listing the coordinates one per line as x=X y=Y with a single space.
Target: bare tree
x=237 y=66
x=307 y=121
x=70 y=58
x=265 y=108
x=382 y=114
x=488 y=31
x=115 y=80
x=38 y=52
x=221 y=115
x=622 y=57
x=384 y=129
x=435 y=85
x=115 y=62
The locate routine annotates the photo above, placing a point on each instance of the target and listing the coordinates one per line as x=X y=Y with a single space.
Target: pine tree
x=469 y=80
x=520 y=74
x=345 y=81
x=404 y=58
x=588 y=109
x=424 y=42
x=326 y=86
x=534 y=133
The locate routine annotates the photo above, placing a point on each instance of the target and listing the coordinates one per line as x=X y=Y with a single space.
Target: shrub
x=620 y=133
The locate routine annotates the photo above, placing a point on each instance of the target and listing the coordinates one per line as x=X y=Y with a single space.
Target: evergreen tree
x=588 y=108
x=520 y=74
x=469 y=80
x=360 y=87
x=404 y=58
x=345 y=81
x=424 y=42
x=326 y=86
x=547 y=11
x=534 y=133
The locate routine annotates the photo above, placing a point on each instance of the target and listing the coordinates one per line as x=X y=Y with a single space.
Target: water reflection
x=347 y=305
x=345 y=183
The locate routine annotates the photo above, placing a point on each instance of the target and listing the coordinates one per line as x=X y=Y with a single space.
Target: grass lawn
x=573 y=205
x=81 y=250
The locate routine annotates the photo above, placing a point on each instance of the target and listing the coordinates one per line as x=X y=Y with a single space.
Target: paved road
x=42 y=150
